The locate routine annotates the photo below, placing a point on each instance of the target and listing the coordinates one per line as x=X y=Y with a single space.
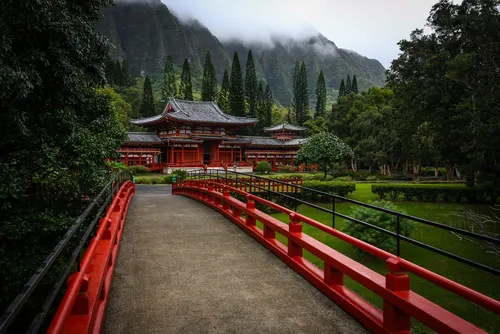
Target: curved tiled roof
x=269 y=141
x=283 y=127
x=196 y=112
x=142 y=137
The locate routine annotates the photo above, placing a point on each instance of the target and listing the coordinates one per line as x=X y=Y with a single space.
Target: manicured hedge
x=138 y=169
x=435 y=192
x=167 y=179
x=331 y=187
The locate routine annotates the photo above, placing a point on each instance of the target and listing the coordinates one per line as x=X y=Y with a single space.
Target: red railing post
x=250 y=221
x=295 y=227
x=395 y=319
x=225 y=204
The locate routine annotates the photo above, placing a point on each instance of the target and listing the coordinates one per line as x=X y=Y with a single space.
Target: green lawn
x=441 y=212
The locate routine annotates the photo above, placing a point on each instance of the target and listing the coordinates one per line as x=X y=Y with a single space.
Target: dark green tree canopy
x=169 y=86
x=354 y=86
x=348 y=85
x=209 y=81
x=186 y=85
x=251 y=86
x=342 y=90
x=236 y=93
x=320 y=96
x=268 y=106
x=223 y=96
x=148 y=104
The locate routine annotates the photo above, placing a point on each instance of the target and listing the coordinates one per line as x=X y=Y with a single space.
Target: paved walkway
x=184 y=268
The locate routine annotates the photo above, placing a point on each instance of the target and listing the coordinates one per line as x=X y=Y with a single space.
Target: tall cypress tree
x=304 y=95
x=296 y=103
x=259 y=106
x=268 y=105
x=186 y=87
x=118 y=80
x=354 y=86
x=320 y=96
x=169 y=86
x=223 y=97
x=348 y=85
x=236 y=93
x=251 y=86
x=209 y=81
x=147 y=105
x=341 y=89
x=125 y=76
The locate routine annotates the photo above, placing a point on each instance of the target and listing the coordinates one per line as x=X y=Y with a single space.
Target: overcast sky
x=369 y=27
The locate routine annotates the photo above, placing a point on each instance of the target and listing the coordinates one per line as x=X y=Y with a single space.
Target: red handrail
x=82 y=307
x=400 y=303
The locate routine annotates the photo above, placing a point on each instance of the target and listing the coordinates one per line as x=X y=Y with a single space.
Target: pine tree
x=223 y=99
x=209 y=81
x=168 y=87
x=261 y=113
x=354 y=86
x=186 y=87
x=296 y=103
x=147 y=105
x=125 y=76
x=304 y=96
x=251 y=86
x=118 y=80
x=348 y=85
x=320 y=96
x=268 y=105
x=341 y=89
x=236 y=93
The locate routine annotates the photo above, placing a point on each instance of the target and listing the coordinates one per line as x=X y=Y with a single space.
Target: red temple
x=193 y=134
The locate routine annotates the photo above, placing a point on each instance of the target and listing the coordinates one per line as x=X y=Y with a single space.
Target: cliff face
x=144 y=33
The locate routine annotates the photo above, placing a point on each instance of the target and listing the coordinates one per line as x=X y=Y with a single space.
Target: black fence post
x=398 y=228
x=333 y=212
x=296 y=197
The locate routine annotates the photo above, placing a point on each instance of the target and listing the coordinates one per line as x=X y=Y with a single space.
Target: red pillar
x=126 y=159
x=241 y=152
x=182 y=153
x=172 y=156
x=232 y=159
x=140 y=159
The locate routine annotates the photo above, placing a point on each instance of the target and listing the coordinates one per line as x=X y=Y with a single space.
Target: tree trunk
x=353 y=165
x=415 y=168
x=449 y=171
x=389 y=170
x=369 y=168
x=458 y=173
x=436 y=172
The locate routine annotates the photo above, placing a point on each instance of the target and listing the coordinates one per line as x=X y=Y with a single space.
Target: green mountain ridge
x=145 y=32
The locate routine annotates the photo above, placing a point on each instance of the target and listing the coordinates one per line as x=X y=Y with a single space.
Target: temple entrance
x=207 y=147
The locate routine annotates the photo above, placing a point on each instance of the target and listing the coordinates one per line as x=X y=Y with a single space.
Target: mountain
x=145 y=32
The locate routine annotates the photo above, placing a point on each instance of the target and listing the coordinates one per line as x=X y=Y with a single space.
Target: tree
x=251 y=86
x=303 y=111
x=317 y=125
x=341 y=89
x=148 y=104
x=125 y=75
x=56 y=129
x=320 y=96
x=268 y=105
x=209 y=81
x=325 y=150
x=120 y=107
x=261 y=112
x=297 y=98
x=223 y=99
x=118 y=75
x=168 y=87
x=186 y=86
x=236 y=93
x=354 y=86
x=348 y=85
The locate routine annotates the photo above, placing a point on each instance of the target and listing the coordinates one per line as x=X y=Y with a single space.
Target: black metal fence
x=266 y=186
x=30 y=309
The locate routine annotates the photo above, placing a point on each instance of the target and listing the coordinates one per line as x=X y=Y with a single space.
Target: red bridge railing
x=400 y=302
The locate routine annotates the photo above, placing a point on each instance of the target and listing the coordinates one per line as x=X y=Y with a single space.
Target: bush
x=331 y=187
x=181 y=173
x=144 y=180
x=138 y=169
x=385 y=220
x=343 y=179
x=435 y=192
x=371 y=178
x=263 y=167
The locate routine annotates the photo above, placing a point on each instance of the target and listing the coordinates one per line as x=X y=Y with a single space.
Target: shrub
x=343 y=179
x=144 y=180
x=138 y=169
x=379 y=218
x=371 y=178
x=330 y=187
x=435 y=192
x=181 y=174
x=167 y=179
x=263 y=167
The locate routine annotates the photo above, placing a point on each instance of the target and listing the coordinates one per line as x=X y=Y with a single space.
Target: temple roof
x=143 y=137
x=195 y=112
x=269 y=141
x=285 y=127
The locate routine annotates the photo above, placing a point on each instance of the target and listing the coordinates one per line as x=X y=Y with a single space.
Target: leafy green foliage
x=251 y=88
x=263 y=167
x=209 y=81
x=120 y=107
x=325 y=150
x=148 y=104
x=186 y=86
x=223 y=98
x=378 y=218
x=236 y=93
x=354 y=86
x=331 y=187
x=300 y=93
x=181 y=173
x=435 y=192
x=56 y=128
x=169 y=85
x=320 y=96
x=342 y=90
x=138 y=169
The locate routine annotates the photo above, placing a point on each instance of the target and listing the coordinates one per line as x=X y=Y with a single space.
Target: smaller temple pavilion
x=194 y=134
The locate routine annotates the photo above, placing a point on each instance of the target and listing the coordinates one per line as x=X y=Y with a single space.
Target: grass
x=447 y=213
